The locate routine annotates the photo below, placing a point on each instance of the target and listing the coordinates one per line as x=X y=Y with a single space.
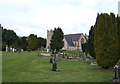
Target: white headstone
x=10 y=49
x=21 y=50
x=6 y=48
x=13 y=50
x=47 y=50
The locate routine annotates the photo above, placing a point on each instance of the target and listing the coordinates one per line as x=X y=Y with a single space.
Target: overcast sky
x=37 y=16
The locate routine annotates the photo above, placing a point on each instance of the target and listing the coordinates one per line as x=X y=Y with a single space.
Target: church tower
x=119 y=8
x=49 y=36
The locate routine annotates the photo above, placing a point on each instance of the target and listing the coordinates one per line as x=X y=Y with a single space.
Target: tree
x=32 y=42
x=57 y=39
x=106 y=40
x=42 y=42
x=1 y=29
x=85 y=47
x=22 y=42
x=91 y=42
x=118 y=26
x=9 y=37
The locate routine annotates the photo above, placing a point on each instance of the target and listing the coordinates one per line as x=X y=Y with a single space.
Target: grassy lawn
x=28 y=67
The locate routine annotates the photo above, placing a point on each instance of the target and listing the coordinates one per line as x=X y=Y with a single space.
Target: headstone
x=63 y=55
x=13 y=50
x=10 y=49
x=56 y=58
x=54 y=66
x=55 y=51
x=7 y=48
x=51 y=60
x=42 y=51
x=59 y=56
x=21 y=50
x=47 y=50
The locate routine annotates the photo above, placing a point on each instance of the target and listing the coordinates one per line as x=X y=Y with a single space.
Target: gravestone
x=63 y=55
x=7 y=49
x=13 y=50
x=51 y=60
x=10 y=49
x=56 y=57
x=47 y=50
x=21 y=50
x=54 y=66
x=59 y=56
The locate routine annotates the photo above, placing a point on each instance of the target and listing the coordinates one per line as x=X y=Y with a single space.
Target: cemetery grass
x=28 y=67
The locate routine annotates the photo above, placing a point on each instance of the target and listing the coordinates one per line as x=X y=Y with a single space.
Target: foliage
x=23 y=42
x=57 y=39
x=91 y=42
x=42 y=42
x=9 y=37
x=106 y=40
x=32 y=42
x=118 y=26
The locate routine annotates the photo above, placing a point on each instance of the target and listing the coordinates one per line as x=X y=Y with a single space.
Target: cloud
x=38 y=16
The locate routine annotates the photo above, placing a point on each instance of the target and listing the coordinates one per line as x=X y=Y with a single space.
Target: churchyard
x=32 y=67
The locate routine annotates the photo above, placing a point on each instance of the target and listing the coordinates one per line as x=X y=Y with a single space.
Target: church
x=71 y=41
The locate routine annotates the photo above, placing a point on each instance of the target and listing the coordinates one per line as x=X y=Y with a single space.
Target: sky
x=27 y=17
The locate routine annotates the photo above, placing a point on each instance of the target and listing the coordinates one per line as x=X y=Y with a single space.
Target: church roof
x=69 y=40
x=72 y=37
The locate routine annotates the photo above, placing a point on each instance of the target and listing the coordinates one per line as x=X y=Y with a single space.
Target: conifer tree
x=57 y=39
x=91 y=42
x=106 y=40
x=32 y=42
x=118 y=26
